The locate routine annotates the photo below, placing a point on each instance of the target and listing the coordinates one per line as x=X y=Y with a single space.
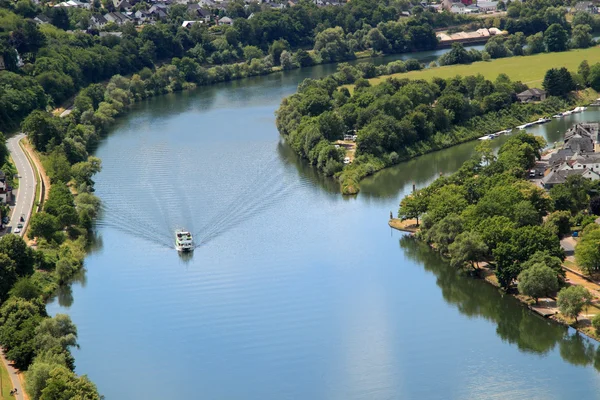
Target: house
x=98 y=21
x=5 y=190
x=158 y=11
x=459 y=8
x=115 y=34
x=117 y=17
x=42 y=19
x=556 y=177
x=207 y=3
x=73 y=4
x=202 y=13
x=141 y=16
x=188 y=24
x=225 y=21
x=585 y=6
x=530 y=95
x=487 y=6
x=447 y=4
x=122 y=5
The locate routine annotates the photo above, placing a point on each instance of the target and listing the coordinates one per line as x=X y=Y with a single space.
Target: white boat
x=184 y=240
x=578 y=109
x=557 y=116
x=567 y=113
x=542 y=120
x=521 y=127
x=486 y=137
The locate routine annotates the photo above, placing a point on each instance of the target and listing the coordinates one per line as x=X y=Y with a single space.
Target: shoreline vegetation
x=489 y=221
x=399 y=119
x=56 y=65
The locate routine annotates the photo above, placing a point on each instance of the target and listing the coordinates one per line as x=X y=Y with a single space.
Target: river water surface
x=295 y=291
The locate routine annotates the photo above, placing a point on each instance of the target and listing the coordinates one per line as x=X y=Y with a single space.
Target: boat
x=543 y=120
x=557 y=116
x=184 y=240
x=486 y=137
x=567 y=113
x=578 y=109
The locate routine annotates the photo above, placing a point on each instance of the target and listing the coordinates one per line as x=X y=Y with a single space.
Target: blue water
x=296 y=292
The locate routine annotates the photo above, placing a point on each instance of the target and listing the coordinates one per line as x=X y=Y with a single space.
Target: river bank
x=545 y=307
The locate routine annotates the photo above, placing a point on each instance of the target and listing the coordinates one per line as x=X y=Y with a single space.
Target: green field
x=527 y=69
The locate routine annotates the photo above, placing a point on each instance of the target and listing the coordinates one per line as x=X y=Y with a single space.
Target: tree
x=377 y=41
x=536 y=44
x=538 y=281
x=587 y=252
x=584 y=70
x=303 y=58
x=559 y=222
x=43 y=225
x=581 y=37
x=594 y=77
x=64 y=384
x=572 y=299
x=40 y=127
x=26 y=289
x=596 y=323
x=413 y=206
x=286 y=60
x=277 y=48
x=595 y=205
x=8 y=275
x=57 y=332
x=556 y=38
x=18 y=320
x=558 y=82
x=17 y=250
x=252 y=52
x=468 y=248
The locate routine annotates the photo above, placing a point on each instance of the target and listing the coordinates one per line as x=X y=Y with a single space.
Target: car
x=19 y=225
x=18 y=230
x=532 y=173
x=347 y=160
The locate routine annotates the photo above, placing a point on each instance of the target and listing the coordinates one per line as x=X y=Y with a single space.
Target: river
x=295 y=291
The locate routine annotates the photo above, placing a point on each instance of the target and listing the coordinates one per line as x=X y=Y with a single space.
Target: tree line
x=398 y=118
x=487 y=212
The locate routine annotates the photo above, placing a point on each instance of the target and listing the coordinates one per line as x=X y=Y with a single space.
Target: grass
x=6 y=383
x=527 y=69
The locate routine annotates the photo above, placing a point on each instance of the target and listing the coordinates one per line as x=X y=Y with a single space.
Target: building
x=188 y=24
x=42 y=19
x=487 y=6
x=530 y=95
x=559 y=176
x=117 y=17
x=73 y=4
x=585 y=6
x=5 y=190
x=202 y=13
x=122 y=5
x=581 y=138
x=98 y=21
x=225 y=21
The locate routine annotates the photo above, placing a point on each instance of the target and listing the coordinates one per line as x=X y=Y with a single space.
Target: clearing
x=527 y=69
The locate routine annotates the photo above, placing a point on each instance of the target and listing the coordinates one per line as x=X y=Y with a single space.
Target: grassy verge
x=527 y=69
x=38 y=186
x=6 y=383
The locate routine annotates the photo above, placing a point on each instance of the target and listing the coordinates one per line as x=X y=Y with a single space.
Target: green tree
x=594 y=77
x=538 y=281
x=467 y=249
x=40 y=127
x=536 y=44
x=581 y=37
x=43 y=225
x=559 y=222
x=556 y=38
x=584 y=70
x=587 y=252
x=26 y=289
x=57 y=166
x=596 y=323
x=252 y=52
x=63 y=384
x=572 y=299
x=18 y=320
x=444 y=232
x=17 y=250
x=8 y=275
x=558 y=82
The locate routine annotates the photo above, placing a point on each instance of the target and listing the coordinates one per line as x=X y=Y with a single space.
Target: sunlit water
x=294 y=292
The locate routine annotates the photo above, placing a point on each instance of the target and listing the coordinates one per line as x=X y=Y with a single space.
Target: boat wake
x=161 y=201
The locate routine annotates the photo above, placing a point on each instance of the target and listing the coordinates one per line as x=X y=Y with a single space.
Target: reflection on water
x=515 y=323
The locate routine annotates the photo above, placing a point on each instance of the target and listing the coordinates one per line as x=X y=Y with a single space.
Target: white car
x=347 y=160
x=18 y=230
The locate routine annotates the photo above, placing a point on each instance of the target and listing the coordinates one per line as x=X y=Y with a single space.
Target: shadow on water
x=515 y=324
x=305 y=170
x=64 y=293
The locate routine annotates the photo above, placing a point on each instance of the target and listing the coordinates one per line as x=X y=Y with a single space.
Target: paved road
x=12 y=372
x=27 y=183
